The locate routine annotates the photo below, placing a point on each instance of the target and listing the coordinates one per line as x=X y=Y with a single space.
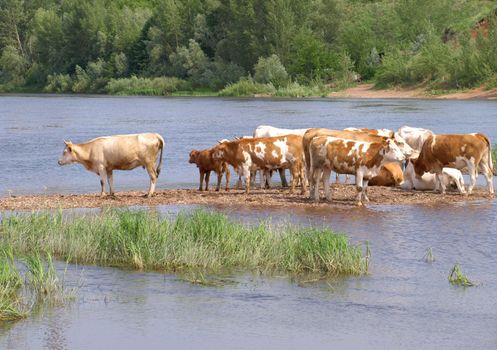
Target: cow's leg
x=473 y=173
x=103 y=176
x=460 y=185
x=268 y=179
x=284 y=183
x=489 y=176
x=153 y=178
x=207 y=179
x=440 y=182
x=303 y=179
x=365 y=190
x=326 y=183
x=337 y=178
x=347 y=178
x=359 y=187
x=110 y=180
x=219 y=174
x=246 y=174
x=316 y=173
x=227 y=172
x=201 y=187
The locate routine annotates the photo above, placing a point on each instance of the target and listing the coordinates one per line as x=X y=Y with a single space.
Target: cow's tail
x=161 y=147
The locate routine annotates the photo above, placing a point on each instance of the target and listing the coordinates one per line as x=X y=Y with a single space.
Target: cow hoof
x=359 y=204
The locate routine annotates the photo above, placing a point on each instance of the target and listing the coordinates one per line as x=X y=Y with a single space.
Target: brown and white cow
x=205 y=164
x=104 y=154
x=377 y=132
x=390 y=175
x=266 y=153
x=349 y=135
x=457 y=151
x=415 y=137
x=359 y=158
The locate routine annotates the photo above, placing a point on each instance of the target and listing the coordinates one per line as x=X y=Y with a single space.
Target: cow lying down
x=119 y=152
x=428 y=182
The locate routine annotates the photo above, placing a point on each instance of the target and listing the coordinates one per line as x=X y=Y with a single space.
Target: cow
x=457 y=151
x=205 y=164
x=266 y=153
x=359 y=158
x=104 y=154
x=350 y=135
x=428 y=182
x=271 y=131
x=415 y=137
x=390 y=175
x=378 y=132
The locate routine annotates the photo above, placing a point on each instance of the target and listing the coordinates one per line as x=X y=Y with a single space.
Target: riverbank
x=368 y=91
x=343 y=196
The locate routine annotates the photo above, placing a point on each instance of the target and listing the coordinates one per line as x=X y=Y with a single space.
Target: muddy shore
x=343 y=196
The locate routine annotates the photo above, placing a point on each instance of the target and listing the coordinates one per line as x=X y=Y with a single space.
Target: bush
x=146 y=86
x=296 y=90
x=247 y=87
x=395 y=70
x=59 y=83
x=270 y=70
x=12 y=66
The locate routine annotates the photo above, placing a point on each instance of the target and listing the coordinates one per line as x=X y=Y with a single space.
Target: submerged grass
x=203 y=241
x=40 y=285
x=458 y=278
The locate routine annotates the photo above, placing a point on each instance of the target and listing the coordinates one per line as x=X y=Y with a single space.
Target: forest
x=245 y=47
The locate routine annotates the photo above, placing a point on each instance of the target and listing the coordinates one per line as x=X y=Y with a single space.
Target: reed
x=201 y=241
x=458 y=278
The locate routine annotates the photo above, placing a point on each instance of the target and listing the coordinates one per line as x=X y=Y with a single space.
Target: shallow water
x=32 y=130
x=403 y=303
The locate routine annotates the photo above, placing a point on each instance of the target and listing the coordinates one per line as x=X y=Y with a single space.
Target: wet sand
x=343 y=196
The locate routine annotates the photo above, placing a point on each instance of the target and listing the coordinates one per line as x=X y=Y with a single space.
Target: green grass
x=458 y=278
x=199 y=241
x=39 y=285
x=160 y=86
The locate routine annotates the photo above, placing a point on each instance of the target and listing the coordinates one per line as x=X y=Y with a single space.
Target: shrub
x=146 y=86
x=395 y=70
x=270 y=70
x=246 y=86
x=58 y=83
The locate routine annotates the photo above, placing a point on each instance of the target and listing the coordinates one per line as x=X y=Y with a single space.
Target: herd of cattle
x=412 y=158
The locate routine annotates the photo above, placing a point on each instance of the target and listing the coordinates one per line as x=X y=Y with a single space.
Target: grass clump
x=458 y=278
x=159 y=86
x=201 y=241
x=40 y=285
x=247 y=87
x=429 y=256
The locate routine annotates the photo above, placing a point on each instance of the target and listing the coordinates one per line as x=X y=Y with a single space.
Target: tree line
x=160 y=46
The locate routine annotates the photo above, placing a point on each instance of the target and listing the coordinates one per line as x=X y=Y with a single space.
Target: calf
x=428 y=182
x=119 y=152
x=390 y=175
x=457 y=151
x=205 y=164
x=359 y=158
x=266 y=153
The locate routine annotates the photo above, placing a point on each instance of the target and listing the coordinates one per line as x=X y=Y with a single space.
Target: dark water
x=32 y=130
x=403 y=303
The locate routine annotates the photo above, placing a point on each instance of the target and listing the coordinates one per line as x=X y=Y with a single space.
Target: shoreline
x=365 y=91
x=343 y=197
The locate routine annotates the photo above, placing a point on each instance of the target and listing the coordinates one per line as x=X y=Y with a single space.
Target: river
x=404 y=302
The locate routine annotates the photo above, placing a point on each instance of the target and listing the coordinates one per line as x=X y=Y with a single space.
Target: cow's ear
x=67 y=142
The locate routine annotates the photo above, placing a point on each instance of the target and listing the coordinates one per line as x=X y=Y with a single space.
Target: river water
x=404 y=302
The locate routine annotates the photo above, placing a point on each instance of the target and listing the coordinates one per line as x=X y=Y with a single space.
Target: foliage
x=247 y=87
x=159 y=86
x=270 y=70
x=201 y=240
x=81 y=45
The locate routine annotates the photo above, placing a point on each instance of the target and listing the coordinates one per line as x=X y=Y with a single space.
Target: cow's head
x=193 y=156
x=68 y=155
x=391 y=152
x=402 y=144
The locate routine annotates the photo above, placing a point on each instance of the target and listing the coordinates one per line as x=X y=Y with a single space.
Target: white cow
x=428 y=182
x=271 y=131
x=415 y=137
